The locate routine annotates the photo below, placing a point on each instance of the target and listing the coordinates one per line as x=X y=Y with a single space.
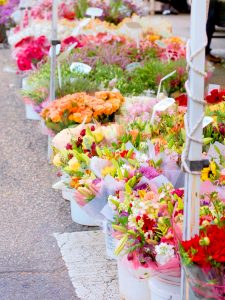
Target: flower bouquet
x=204 y=260
x=81 y=107
x=146 y=242
x=30 y=52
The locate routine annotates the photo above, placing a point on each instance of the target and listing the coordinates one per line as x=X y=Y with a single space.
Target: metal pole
x=53 y=48
x=53 y=61
x=194 y=117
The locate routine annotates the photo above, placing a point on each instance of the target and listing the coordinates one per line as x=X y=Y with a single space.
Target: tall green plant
x=80 y=8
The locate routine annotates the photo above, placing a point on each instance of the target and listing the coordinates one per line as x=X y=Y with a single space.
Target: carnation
x=164 y=253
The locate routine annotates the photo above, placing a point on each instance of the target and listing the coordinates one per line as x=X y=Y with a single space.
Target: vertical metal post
x=53 y=47
x=53 y=61
x=195 y=112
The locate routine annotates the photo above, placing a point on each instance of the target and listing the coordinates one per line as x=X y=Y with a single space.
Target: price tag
x=137 y=29
x=57 y=50
x=162 y=106
x=161 y=81
x=213 y=87
x=206 y=121
x=82 y=24
x=71 y=47
x=131 y=67
x=134 y=25
x=94 y=12
x=161 y=44
x=77 y=67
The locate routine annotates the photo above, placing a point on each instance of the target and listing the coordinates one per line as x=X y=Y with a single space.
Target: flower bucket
x=164 y=288
x=31 y=114
x=131 y=287
x=78 y=215
x=110 y=241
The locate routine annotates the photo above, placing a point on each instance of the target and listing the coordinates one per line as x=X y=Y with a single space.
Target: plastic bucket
x=31 y=114
x=78 y=215
x=131 y=287
x=110 y=241
x=163 y=290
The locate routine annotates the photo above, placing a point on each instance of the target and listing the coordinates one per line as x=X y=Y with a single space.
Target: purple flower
x=7 y=10
x=143 y=186
x=96 y=181
x=149 y=172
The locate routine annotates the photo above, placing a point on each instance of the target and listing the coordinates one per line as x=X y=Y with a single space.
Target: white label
x=82 y=24
x=94 y=12
x=77 y=67
x=131 y=67
x=162 y=106
x=206 y=121
x=161 y=81
x=160 y=44
x=134 y=25
x=57 y=50
x=213 y=87
x=71 y=47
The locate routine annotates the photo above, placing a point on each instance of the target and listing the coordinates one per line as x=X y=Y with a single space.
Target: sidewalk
x=31 y=265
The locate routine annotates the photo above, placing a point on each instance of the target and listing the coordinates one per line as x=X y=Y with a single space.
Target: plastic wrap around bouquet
x=154 y=282
x=203 y=257
x=205 y=285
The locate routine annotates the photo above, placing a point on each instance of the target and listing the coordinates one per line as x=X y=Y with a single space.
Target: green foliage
x=80 y=8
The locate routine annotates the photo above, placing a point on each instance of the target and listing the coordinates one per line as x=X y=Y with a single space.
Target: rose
x=24 y=64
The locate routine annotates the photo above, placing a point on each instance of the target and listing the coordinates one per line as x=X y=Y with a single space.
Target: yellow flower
x=3 y=2
x=107 y=170
x=142 y=193
x=98 y=136
x=213 y=168
x=74 y=164
x=205 y=174
x=57 y=160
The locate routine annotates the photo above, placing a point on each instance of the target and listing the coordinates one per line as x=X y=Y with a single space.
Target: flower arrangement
x=142 y=223
x=113 y=11
x=204 y=258
x=81 y=107
x=30 y=52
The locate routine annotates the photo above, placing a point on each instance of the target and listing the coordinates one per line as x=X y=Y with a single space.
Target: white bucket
x=161 y=290
x=31 y=114
x=78 y=215
x=110 y=241
x=131 y=287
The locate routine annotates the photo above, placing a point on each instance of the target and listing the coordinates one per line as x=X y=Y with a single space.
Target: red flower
x=71 y=40
x=69 y=147
x=24 y=41
x=178 y=192
x=207 y=247
x=24 y=64
x=69 y=15
x=216 y=248
x=215 y=96
x=149 y=224
x=124 y=153
x=34 y=52
x=182 y=100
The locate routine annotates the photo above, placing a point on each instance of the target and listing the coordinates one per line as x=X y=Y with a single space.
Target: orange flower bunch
x=80 y=107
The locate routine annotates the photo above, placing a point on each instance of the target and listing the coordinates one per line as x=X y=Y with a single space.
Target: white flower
x=165 y=253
